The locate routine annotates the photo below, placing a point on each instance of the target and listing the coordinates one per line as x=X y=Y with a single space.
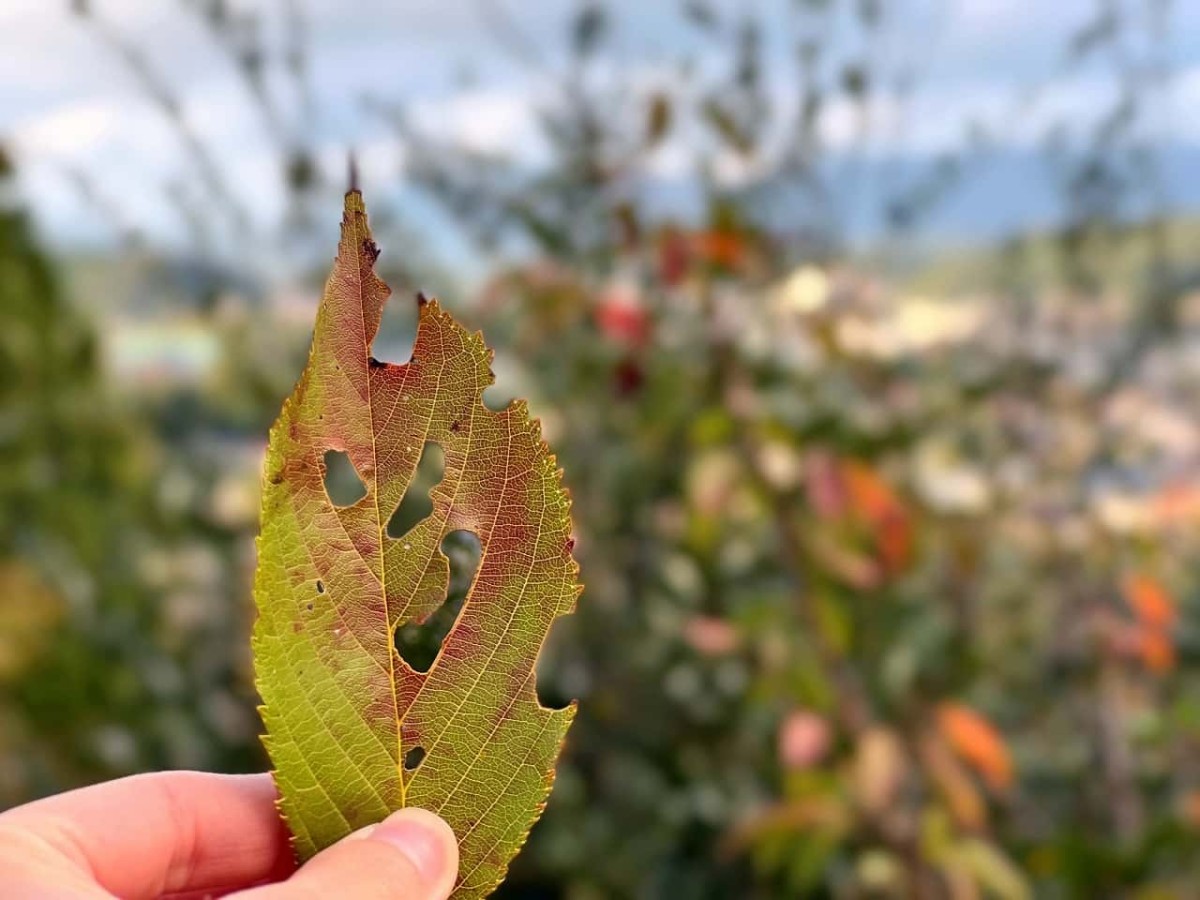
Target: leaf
x=700 y=14
x=952 y=782
x=874 y=500
x=658 y=119
x=1156 y=650
x=807 y=816
x=29 y=612
x=720 y=248
x=977 y=741
x=879 y=769
x=727 y=127
x=1150 y=601
x=589 y=28
x=994 y=871
x=870 y=496
x=855 y=81
x=346 y=716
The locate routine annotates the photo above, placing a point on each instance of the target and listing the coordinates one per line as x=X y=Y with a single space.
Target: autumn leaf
x=1155 y=649
x=720 y=248
x=977 y=741
x=870 y=496
x=355 y=732
x=874 y=500
x=1150 y=601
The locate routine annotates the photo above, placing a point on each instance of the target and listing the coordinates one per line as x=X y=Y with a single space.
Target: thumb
x=410 y=855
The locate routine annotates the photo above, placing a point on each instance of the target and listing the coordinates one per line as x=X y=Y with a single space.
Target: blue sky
x=68 y=103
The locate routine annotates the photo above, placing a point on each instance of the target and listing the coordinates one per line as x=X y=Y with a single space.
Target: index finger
x=163 y=833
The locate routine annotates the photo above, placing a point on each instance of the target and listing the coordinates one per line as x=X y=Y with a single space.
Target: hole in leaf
x=497 y=398
x=320 y=586
x=464 y=551
x=561 y=677
x=342 y=482
x=416 y=504
x=413 y=758
x=504 y=389
x=398 y=323
x=418 y=643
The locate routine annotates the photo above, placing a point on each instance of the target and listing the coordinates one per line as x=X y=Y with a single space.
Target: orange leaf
x=977 y=741
x=1150 y=601
x=874 y=501
x=1177 y=504
x=720 y=248
x=871 y=496
x=894 y=539
x=1156 y=650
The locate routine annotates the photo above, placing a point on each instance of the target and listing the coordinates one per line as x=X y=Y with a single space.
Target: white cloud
x=68 y=129
x=990 y=19
x=67 y=100
x=486 y=120
x=1182 y=107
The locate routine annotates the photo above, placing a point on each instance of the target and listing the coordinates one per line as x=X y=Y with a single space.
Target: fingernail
x=360 y=834
x=419 y=835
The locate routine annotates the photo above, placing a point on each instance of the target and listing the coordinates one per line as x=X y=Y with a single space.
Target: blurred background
x=867 y=332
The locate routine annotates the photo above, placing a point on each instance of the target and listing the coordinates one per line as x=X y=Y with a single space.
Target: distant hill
x=1124 y=260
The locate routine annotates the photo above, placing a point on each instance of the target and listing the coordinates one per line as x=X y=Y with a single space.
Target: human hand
x=192 y=834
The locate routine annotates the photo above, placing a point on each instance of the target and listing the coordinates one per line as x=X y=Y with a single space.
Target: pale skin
x=193 y=834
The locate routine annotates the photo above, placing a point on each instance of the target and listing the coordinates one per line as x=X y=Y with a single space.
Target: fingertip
x=426 y=841
x=412 y=854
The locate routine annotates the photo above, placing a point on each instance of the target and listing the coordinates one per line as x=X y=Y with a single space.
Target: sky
x=69 y=104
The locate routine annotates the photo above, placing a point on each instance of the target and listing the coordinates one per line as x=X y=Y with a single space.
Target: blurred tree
x=90 y=686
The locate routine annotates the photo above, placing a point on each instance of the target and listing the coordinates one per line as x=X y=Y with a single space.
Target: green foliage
x=106 y=664
x=824 y=609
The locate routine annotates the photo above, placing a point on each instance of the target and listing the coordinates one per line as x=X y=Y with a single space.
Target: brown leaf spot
x=380 y=707
x=365 y=545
